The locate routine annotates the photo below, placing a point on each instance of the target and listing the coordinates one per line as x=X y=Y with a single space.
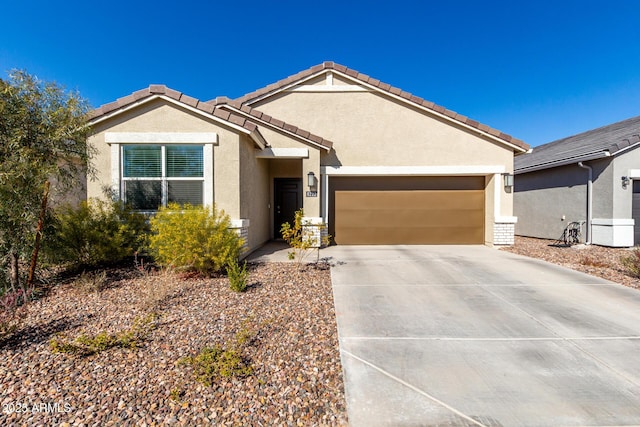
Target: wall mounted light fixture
x=625 y=181
x=508 y=181
x=311 y=179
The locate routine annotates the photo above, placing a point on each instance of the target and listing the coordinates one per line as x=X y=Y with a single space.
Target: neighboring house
x=552 y=186
x=375 y=163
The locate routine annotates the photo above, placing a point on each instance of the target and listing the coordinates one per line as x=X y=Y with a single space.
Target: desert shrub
x=193 y=238
x=12 y=311
x=237 y=276
x=90 y=344
x=632 y=263
x=220 y=362
x=92 y=282
x=593 y=262
x=95 y=232
x=302 y=243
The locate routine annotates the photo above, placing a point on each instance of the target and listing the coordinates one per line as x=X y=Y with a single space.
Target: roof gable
x=244 y=119
x=296 y=82
x=594 y=144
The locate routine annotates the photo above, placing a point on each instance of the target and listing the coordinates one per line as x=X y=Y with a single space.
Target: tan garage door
x=409 y=216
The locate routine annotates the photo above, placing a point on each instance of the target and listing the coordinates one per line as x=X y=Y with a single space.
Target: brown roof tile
x=303 y=133
x=189 y=100
x=276 y=122
x=173 y=94
x=206 y=107
x=157 y=88
x=330 y=65
x=238 y=120
x=209 y=107
x=224 y=115
x=125 y=100
x=290 y=128
x=142 y=93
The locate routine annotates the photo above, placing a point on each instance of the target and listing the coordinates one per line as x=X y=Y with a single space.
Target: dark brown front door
x=287 y=200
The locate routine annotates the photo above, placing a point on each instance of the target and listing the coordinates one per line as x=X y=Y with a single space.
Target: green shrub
x=301 y=242
x=237 y=276
x=632 y=263
x=90 y=344
x=193 y=238
x=95 y=232
x=218 y=362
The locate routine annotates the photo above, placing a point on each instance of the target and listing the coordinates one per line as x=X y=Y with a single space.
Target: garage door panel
x=410 y=236
x=409 y=217
x=385 y=217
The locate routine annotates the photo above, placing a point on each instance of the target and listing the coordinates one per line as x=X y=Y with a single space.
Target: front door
x=287 y=200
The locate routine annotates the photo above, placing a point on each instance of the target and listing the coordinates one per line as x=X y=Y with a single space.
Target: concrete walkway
x=468 y=335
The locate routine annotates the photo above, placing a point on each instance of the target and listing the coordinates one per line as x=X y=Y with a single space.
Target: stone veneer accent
x=315 y=230
x=503 y=233
x=241 y=227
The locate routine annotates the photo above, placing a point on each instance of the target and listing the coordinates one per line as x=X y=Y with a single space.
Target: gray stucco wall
x=622 y=197
x=543 y=198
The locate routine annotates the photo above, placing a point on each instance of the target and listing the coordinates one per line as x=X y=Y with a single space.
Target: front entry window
x=154 y=175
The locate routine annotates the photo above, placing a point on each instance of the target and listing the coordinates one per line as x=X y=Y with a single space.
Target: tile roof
x=229 y=104
x=408 y=97
x=153 y=90
x=243 y=116
x=597 y=143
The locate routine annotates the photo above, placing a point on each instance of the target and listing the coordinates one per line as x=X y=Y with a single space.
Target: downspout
x=589 y=200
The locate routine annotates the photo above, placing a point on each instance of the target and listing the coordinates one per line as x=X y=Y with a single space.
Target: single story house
x=377 y=164
x=592 y=178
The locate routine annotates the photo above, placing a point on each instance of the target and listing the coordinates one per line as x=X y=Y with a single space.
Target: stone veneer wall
x=503 y=233
x=241 y=227
x=315 y=230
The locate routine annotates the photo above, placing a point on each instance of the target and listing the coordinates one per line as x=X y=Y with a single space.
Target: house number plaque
x=312 y=194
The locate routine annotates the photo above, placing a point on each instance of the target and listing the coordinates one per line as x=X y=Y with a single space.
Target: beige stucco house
x=375 y=163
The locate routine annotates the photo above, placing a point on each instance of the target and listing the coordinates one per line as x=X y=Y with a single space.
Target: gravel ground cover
x=595 y=260
x=296 y=379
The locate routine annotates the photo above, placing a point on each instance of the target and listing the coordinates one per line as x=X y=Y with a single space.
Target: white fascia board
x=257 y=137
x=288 y=87
x=413 y=170
x=334 y=88
x=172 y=101
x=283 y=153
x=161 y=137
x=564 y=162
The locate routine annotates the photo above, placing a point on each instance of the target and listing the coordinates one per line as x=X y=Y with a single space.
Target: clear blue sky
x=539 y=70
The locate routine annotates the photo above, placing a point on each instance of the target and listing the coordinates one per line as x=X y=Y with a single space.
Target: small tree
x=43 y=139
x=302 y=243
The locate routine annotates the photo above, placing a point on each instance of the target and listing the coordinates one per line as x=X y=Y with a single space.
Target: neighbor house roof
x=594 y=144
x=377 y=85
x=244 y=117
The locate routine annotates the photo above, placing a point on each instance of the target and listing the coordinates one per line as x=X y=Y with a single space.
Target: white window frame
x=205 y=139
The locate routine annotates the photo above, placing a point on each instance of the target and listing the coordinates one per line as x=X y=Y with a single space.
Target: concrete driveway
x=469 y=335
